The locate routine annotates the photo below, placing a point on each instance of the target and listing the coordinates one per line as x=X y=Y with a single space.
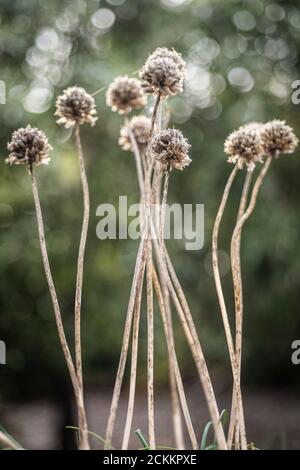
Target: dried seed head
x=125 y=94
x=75 y=106
x=163 y=72
x=244 y=146
x=171 y=148
x=140 y=127
x=28 y=145
x=278 y=137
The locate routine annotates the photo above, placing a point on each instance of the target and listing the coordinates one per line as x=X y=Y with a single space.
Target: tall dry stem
x=195 y=346
x=233 y=423
x=236 y=266
x=166 y=319
x=83 y=431
x=55 y=303
x=134 y=358
x=138 y=274
x=221 y=299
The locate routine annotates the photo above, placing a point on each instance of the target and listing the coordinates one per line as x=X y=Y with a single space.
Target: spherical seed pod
x=244 y=146
x=28 y=145
x=171 y=148
x=125 y=94
x=75 y=107
x=163 y=73
x=278 y=138
x=140 y=127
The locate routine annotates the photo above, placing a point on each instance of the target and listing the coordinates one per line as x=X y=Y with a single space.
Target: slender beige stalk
x=5 y=440
x=189 y=326
x=138 y=272
x=83 y=431
x=215 y=264
x=217 y=277
x=176 y=373
x=138 y=160
x=53 y=294
x=150 y=354
x=163 y=209
x=175 y=399
x=134 y=357
x=154 y=116
x=195 y=346
x=176 y=412
x=233 y=423
x=236 y=268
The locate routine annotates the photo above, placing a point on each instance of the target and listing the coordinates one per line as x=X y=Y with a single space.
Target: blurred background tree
x=242 y=58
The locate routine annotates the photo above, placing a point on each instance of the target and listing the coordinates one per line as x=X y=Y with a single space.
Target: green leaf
x=139 y=434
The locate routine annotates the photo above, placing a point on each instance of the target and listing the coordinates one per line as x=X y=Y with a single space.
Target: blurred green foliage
x=242 y=58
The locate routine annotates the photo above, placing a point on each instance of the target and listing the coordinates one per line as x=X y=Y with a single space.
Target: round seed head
x=28 y=145
x=278 y=138
x=163 y=73
x=75 y=106
x=125 y=94
x=171 y=148
x=139 y=126
x=244 y=146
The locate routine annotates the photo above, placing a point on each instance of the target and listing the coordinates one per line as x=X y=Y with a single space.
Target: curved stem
x=53 y=294
x=233 y=424
x=83 y=431
x=195 y=346
x=138 y=160
x=217 y=278
x=138 y=272
x=236 y=269
x=163 y=207
x=8 y=442
x=134 y=357
x=150 y=352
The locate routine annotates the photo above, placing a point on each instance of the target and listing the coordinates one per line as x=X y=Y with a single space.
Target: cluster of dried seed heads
x=125 y=94
x=75 y=107
x=171 y=148
x=28 y=145
x=278 y=138
x=248 y=144
x=163 y=73
x=245 y=146
x=139 y=128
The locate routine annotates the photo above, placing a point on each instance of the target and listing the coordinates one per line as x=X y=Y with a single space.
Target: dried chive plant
x=30 y=146
x=251 y=144
x=157 y=152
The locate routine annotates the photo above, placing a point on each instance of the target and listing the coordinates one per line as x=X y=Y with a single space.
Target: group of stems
x=75 y=370
x=168 y=289
x=237 y=430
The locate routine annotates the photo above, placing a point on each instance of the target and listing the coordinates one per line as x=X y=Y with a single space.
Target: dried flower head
x=125 y=94
x=75 y=106
x=244 y=146
x=140 y=127
x=163 y=72
x=171 y=149
x=278 y=137
x=28 y=145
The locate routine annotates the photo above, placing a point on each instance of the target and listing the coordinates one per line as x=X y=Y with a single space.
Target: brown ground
x=272 y=417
